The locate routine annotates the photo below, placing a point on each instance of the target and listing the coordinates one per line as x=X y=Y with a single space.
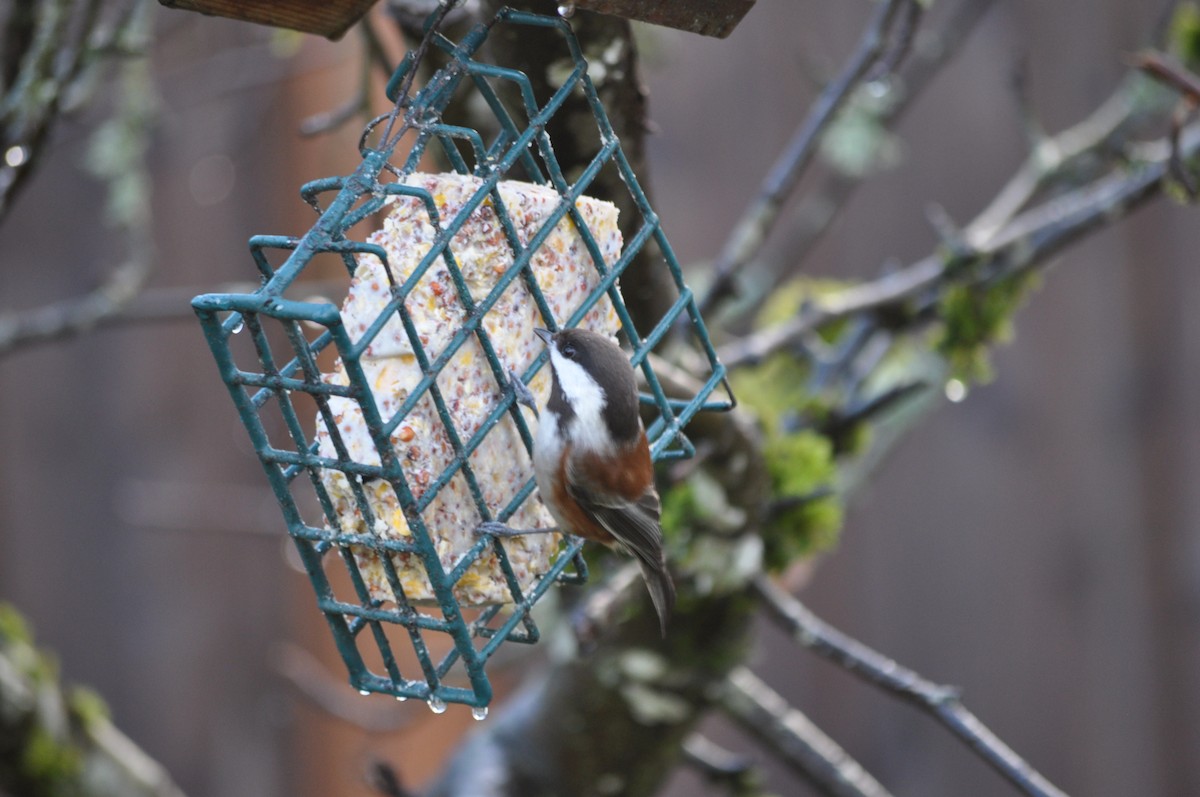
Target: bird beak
x=546 y=335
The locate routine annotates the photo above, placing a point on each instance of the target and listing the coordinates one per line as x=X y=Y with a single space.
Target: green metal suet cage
x=272 y=348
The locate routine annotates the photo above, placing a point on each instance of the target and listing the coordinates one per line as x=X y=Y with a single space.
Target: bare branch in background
x=51 y=53
x=941 y=701
x=1059 y=159
x=760 y=217
x=1171 y=72
x=816 y=209
x=65 y=730
x=384 y=778
x=373 y=56
x=1024 y=242
x=720 y=767
x=117 y=156
x=70 y=317
x=795 y=739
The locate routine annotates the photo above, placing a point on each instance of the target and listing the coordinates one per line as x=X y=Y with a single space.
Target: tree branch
x=69 y=317
x=756 y=222
x=60 y=741
x=1056 y=158
x=802 y=745
x=117 y=155
x=1025 y=242
x=360 y=103
x=50 y=52
x=817 y=208
x=942 y=702
x=721 y=767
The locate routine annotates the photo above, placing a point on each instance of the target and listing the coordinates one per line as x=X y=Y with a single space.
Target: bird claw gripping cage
x=386 y=422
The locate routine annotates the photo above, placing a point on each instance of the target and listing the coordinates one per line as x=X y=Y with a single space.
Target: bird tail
x=662 y=590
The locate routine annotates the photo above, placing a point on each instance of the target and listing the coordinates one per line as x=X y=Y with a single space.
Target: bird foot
x=522 y=392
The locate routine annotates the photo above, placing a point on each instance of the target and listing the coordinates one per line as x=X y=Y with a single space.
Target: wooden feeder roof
x=332 y=18
x=328 y=18
x=707 y=17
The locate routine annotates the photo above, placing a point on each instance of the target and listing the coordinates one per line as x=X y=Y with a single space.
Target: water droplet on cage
x=479 y=713
x=566 y=10
x=401 y=698
x=239 y=326
x=436 y=705
x=878 y=89
x=364 y=692
x=956 y=390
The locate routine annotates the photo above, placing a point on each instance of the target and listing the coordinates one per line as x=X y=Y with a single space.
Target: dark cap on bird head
x=609 y=367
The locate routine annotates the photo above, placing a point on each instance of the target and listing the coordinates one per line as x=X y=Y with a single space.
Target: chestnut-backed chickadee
x=592 y=459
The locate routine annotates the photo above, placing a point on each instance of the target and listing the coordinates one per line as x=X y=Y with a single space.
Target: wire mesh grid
x=273 y=353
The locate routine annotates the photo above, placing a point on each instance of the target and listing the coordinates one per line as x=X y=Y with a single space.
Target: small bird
x=592 y=459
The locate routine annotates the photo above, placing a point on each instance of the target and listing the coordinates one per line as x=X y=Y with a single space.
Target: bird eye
x=568 y=351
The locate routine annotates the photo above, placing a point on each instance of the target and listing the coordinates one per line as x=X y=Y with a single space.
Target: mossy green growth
x=800 y=459
x=974 y=318
x=679 y=509
x=16 y=643
x=803 y=469
x=1185 y=34
x=776 y=389
x=87 y=708
x=41 y=752
x=857 y=142
x=13 y=628
x=49 y=766
x=789 y=299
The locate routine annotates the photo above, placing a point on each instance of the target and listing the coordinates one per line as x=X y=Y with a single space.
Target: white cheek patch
x=587 y=399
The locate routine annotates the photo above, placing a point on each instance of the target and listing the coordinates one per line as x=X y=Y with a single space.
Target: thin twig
x=1052 y=159
x=62 y=319
x=69 y=317
x=1168 y=70
x=942 y=702
x=899 y=42
x=1027 y=241
x=817 y=209
x=383 y=778
x=865 y=409
x=779 y=506
x=129 y=179
x=40 y=713
x=802 y=745
x=751 y=231
x=1183 y=115
x=360 y=103
x=56 y=52
x=721 y=767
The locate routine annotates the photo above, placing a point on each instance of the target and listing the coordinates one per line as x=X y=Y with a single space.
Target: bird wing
x=634 y=525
